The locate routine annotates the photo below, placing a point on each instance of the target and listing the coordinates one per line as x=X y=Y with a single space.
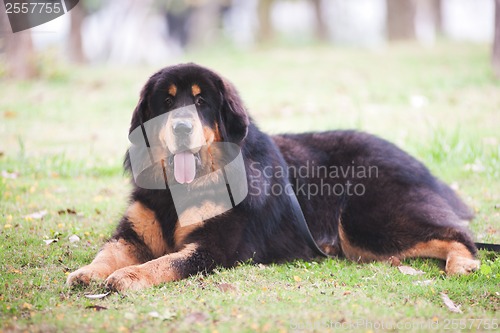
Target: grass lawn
x=62 y=139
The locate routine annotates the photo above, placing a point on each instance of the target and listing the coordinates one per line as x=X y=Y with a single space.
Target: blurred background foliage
x=157 y=32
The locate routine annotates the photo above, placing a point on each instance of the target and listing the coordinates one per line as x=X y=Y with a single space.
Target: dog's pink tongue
x=184 y=167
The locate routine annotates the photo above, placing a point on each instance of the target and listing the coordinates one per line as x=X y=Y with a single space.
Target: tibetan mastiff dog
x=362 y=197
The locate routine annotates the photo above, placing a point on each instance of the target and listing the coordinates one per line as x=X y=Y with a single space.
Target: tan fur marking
x=195 y=89
x=114 y=255
x=355 y=253
x=329 y=249
x=459 y=260
x=172 y=90
x=209 y=135
x=145 y=224
x=181 y=233
x=197 y=214
x=154 y=272
x=218 y=137
x=438 y=249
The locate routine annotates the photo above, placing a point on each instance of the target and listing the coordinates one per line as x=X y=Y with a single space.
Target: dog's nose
x=183 y=127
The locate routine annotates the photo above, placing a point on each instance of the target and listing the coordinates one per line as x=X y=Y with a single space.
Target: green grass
x=64 y=137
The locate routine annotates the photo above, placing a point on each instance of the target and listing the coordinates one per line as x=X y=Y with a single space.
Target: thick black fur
x=400 y=207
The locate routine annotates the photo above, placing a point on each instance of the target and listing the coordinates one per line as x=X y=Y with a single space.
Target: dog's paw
x=461 y=265
x=86 y=274
x=129 y=278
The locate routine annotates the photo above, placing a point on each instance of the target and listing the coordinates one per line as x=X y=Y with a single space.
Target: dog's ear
x=233 y=116
x=142 y=113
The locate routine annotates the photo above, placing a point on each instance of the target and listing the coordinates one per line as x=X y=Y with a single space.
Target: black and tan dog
x=363 y=198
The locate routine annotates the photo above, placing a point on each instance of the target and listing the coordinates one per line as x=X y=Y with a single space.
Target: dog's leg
x=171 y=267
x=459 y=259
x=144 y=242
x=114 y=255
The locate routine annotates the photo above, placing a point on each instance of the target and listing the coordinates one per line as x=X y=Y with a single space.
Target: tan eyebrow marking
x=172 y=89
x=195 y=89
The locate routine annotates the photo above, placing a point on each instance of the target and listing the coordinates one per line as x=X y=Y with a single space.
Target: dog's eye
x=199 y=101
x=168 y=101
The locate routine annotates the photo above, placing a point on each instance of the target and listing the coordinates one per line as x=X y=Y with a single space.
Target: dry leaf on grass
x=96 y=307
x=50 y=241
x=195 y=317
x=73 y=239
x=66 y=211
x=98 y=296
x=225 y=287
x=407 y=270
x=166 y=315
x=449 y=303
x=423 y=283
x=36 y=215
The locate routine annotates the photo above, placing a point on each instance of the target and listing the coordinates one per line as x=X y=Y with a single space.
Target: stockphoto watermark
x=311 y=179
x=26 y=14
x=434 y=324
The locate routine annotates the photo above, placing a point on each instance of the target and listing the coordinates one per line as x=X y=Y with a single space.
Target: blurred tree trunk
x=438 y=16
x=203 y=24
x=496 y=42
x=19 y=50
x=265 y=31
x=401 y=19
x=75 y=43
x=321 y=28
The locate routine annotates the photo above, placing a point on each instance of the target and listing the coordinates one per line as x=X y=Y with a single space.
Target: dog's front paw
x=129 y=278
x=87 y=274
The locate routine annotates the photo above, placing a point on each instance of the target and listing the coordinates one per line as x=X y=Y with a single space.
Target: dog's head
x=196 y=109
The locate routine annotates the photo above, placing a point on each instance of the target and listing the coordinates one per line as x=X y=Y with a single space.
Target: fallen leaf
x=106 y=192
x=407 y=270
x=36 y=215
x=154 y=314
x=297 y=278
x=166 y=315
x=13 y=270
x=96 y=307
x=98 y=296
x=225 y=287
x=66 y=211
x=9 y=114
x=27 y=306
x=50 y=241
x=423 y=283
x=73 y=239
x=347 y=292
x=449 y=303
x=196 y=317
